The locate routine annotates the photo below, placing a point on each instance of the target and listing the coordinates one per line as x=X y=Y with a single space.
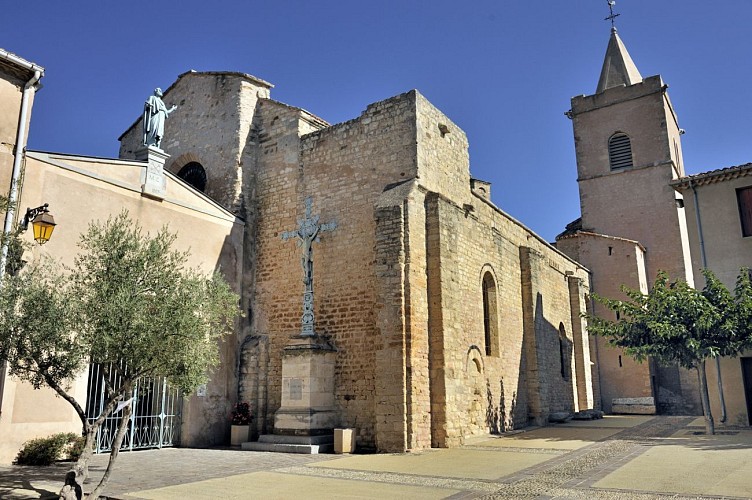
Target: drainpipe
x=10 y=214
x=705 y=265
x=28 y=90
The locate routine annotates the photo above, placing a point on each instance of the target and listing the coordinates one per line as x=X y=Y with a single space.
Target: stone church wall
x=399 y=282
x=344 y=168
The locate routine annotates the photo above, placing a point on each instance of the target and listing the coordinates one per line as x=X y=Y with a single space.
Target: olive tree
x=677 y=324
x=128 y=303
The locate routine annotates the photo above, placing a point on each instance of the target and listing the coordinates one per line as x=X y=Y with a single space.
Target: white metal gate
x=155 y=419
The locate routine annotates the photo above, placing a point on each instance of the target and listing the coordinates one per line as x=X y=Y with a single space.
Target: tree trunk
x=709 y=424
x=720 y=389
x=122 y=427
x=81 y=468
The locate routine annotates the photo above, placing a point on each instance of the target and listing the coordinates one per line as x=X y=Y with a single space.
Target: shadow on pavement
x=22 y=477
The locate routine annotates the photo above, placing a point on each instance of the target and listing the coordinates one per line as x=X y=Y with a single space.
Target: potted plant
x=241 y=424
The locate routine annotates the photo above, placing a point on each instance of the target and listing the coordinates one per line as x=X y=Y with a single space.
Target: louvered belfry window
x=619 y=151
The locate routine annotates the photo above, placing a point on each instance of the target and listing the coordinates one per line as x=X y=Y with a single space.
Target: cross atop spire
x=612 y=17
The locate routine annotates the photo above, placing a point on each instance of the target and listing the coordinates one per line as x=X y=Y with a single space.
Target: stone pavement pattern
x=636 y=457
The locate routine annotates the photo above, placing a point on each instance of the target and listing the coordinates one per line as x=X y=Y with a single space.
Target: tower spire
x=618 y=67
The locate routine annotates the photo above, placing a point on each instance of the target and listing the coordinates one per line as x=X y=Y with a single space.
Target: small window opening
x=490 y=319
x=619 y=360
x=194 y=174
x=619 y=151
x=744 y=198
x=443 y=129
x=563 y=352
x=610 y=250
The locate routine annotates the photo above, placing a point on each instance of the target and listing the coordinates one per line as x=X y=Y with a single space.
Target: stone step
x=308 y=449
x=278 y=438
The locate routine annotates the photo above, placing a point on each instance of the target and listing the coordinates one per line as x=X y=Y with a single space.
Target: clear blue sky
x=502 y=70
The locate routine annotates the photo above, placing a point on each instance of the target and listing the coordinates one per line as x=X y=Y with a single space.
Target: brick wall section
x=344 y=168
x=273 y=269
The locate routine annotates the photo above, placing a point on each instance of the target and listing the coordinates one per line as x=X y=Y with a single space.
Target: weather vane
x=613 y=16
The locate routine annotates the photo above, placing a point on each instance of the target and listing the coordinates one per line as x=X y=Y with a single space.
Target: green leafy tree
x=129 y=304
x=677 y=324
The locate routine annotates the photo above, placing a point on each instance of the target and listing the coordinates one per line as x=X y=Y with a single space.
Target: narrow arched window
x=490 y=320
x=194 y=174
x=563 y=352
x=619 y=151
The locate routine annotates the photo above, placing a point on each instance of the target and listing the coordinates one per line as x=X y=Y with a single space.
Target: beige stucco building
x=80 y=190
x=719 y=214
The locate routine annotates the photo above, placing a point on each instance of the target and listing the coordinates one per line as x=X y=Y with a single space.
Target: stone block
x=344 y=441
x=634 y=406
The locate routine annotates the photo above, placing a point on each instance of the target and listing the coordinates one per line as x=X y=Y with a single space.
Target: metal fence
x=154 y=421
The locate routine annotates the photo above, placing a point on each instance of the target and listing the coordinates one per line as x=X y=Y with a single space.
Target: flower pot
x=239 y=434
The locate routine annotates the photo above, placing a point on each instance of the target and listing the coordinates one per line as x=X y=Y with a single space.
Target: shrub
x=241 y=414
x=45 y=451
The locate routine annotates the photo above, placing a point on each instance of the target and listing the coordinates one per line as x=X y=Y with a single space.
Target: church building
x=446 y=317
x=382 y=289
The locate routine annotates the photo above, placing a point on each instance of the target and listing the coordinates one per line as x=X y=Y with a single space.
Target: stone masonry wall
x=466 y=236
x=271 y=163
x=503 y=390
x=210 y=126
x=398 y=284
x=344 y=168
x=621 y=262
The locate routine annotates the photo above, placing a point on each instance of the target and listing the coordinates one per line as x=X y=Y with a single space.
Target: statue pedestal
x=306 y=419
x=153 y=179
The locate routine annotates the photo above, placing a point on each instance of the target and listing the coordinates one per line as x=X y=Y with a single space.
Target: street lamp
x=42 y=221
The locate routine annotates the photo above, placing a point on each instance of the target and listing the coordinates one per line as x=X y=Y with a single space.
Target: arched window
x=490 y=320
x=619 y=151
x=194 y=174
x=563 y=352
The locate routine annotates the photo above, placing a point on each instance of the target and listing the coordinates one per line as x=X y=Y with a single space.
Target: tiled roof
x=719 y=175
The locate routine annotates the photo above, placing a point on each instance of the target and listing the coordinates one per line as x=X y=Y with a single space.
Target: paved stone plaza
x=619 y=457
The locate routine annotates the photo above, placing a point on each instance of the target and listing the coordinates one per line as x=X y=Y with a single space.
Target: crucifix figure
x=307 y=232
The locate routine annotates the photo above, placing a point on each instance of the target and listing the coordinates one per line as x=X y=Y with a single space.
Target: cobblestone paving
x=566 y=475
x=577 y=471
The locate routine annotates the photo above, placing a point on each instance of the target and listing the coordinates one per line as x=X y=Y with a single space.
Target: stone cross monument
x=307 y=416
x=307 y=232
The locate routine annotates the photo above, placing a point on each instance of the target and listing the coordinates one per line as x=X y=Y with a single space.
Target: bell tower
x=628 y=146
